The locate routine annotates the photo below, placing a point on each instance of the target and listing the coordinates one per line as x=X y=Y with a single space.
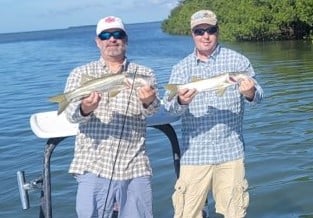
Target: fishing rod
x=119 y=142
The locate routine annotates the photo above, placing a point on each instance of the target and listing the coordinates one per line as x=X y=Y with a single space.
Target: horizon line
x=69 y=27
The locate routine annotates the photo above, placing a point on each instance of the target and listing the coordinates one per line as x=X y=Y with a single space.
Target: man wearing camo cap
x=212 y=142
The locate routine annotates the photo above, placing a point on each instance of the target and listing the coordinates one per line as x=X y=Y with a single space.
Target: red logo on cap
x=110 y=20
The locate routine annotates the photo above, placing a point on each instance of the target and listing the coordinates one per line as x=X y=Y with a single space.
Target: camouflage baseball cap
x=203 y=17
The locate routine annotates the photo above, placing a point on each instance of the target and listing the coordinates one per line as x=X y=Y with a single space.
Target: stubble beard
x=115 y=51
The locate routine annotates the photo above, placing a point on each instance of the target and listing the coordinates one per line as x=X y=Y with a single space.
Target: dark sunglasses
x=210 y=30
x=119 y=34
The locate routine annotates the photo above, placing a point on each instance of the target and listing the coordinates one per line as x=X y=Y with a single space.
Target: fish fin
x=58 y=98
x=172 y=88
x=114 y=93
x=62 y=106
x=61 y=99
x=85 y=78
x=195 y=79
x=221 y=90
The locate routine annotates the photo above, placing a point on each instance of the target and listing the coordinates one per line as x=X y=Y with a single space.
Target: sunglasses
x=210 y=30
x=119 y=34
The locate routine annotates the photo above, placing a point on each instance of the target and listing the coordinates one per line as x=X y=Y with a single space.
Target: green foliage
x=255 y=20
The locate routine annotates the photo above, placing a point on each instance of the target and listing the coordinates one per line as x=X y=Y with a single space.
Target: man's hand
x=185 y=96
x=247 y=89
x=90 y=103
x=146 y=95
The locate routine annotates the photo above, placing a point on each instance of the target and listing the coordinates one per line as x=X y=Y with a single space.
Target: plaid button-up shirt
x=211 y=124
x=112 y=138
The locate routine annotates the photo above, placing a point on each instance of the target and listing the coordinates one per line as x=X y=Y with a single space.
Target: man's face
x=205 y=37
x=112 y=43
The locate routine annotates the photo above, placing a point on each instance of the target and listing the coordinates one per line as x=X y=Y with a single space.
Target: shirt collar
x=124 y=65
x=213 y=55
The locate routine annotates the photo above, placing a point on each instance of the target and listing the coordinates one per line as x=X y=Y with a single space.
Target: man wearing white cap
x=212 y=142
x=110 y=162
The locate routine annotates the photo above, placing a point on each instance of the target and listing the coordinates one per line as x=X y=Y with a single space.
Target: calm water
x=279 y=132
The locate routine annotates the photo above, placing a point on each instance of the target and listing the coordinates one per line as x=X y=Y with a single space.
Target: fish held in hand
x=111 y=83
x=217 y=84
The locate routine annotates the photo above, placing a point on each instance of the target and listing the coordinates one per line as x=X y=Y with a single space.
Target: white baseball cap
x=109 y=22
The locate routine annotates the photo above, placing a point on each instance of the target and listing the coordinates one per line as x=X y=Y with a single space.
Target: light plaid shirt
x=211 y=124
x=113 y=136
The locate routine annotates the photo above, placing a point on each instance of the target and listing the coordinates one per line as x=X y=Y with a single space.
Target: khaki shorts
x=226 y=181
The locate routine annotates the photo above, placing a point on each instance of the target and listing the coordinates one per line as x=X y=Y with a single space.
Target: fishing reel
x=25 y=187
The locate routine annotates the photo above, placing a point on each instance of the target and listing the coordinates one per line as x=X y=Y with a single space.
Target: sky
x=33 y=15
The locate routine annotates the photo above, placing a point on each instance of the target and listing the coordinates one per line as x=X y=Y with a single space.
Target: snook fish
x=217 y=83
x=112 y=83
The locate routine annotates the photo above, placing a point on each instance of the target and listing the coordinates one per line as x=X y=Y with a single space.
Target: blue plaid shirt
x=112 y=138
x=211 y=124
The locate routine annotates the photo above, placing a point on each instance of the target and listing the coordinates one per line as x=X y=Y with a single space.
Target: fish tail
x=62 y=106
x=172 y=88
x=57 y=98
x=61 y=99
